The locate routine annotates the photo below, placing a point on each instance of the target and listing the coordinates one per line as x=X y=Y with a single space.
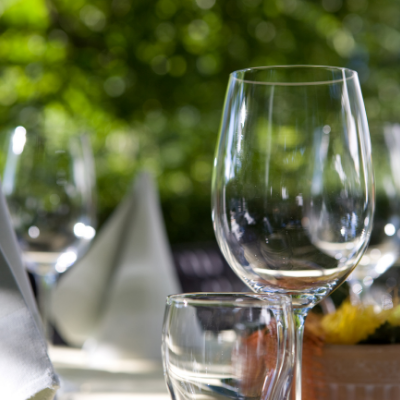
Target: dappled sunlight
x=147 y=82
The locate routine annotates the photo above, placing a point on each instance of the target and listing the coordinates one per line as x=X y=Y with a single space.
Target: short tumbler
x=228 y=346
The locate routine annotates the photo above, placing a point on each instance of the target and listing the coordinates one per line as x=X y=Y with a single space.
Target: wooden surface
x=360 y=372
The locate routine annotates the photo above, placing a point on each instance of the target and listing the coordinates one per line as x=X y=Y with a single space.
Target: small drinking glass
x=228 y=346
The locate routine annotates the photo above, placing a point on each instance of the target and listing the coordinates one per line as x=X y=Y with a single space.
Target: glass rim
x=232 y=298
x=352 y=74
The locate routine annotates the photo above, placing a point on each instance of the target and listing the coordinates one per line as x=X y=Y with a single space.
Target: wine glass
x=228 y=346
x=292 y=188
x=384 y=246
x=48 y=182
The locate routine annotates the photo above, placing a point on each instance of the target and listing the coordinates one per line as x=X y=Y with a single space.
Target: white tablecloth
x=85 y=378
x=116 y=396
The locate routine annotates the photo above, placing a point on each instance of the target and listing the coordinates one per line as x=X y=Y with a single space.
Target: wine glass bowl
x=292 y=186
x=50 y=199
x=292 y=191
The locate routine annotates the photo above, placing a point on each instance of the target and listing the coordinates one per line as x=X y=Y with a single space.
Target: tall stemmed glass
x=292 y=185
x=48 y=181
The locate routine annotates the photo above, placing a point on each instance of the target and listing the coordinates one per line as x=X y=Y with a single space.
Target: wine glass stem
x=299 y=318
x=45 y=284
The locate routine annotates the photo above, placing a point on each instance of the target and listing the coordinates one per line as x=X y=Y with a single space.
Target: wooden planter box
x=359 y=372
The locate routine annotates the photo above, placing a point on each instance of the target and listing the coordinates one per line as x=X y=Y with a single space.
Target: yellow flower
x=394 y=317
x=351 y=324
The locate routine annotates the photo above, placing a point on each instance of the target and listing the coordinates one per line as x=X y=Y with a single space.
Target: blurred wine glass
x=384 y=247
x=49 y=185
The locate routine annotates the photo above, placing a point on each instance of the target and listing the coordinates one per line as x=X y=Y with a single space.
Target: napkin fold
x=25 y=369
x=12 y=253
x=115 y=295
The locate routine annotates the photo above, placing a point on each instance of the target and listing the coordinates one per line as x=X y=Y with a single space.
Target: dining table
x=85 y=376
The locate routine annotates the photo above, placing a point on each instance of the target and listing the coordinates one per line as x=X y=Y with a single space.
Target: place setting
x=199 y=200
x=293 y=202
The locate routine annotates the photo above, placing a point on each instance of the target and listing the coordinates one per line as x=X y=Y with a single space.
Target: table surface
x=84 y=377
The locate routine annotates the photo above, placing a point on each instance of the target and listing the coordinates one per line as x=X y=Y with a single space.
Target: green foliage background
x=146 y=79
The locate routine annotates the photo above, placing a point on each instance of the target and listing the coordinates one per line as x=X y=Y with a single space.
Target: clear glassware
x=292 y=189
x=384 y=246
x=48 y=182
x=228 y=346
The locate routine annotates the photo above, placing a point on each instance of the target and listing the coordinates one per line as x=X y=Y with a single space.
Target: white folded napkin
x=116 y=294
x=25 y=369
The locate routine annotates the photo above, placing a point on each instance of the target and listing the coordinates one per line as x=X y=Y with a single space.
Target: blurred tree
x=147 y=78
